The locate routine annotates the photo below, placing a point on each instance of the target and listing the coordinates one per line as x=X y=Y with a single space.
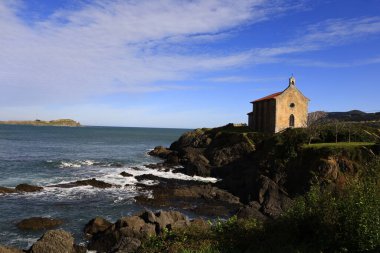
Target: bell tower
x=292 y=81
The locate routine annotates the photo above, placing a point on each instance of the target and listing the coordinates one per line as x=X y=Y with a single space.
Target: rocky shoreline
x=125 y=235
x=259 y=176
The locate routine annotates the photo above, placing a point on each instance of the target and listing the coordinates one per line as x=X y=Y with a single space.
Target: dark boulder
x=91 y=182
x=226 y=148
x=7 y=190
x=127 y=233
x=204 y=199
x=125 y=174
x=38 y=223
x=273 y=199
x=252 y=210
x=96 y=225
x=147 y=177
x=28 y=188
x=195 y=163
x=160 y=151
x=170 y=220
x=198 y=138
x=206 y=191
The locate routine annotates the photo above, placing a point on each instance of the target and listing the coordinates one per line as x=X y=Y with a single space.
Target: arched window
x=291 y=121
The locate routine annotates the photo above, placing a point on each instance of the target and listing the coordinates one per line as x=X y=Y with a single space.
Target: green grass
x=339 y=145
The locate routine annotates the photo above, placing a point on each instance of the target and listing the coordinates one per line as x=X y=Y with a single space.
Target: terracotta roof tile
x=268 y=97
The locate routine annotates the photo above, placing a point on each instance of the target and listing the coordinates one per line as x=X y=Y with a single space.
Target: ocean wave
x=17 y=239
x=83 y=163
x=125 y=188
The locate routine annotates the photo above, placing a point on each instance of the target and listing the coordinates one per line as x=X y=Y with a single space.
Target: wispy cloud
x=105 y=47
x=243 y=79
x=330 y=64
x=116 y=46
x=320 y=36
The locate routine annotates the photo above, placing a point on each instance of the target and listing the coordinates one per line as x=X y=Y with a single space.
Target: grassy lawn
x=339 y=145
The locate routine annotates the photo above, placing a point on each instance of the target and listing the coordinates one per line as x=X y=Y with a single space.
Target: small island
x=37 y=122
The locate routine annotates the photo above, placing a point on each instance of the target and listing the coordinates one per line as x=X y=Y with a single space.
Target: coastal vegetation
x=37 y=122
x=323 y=220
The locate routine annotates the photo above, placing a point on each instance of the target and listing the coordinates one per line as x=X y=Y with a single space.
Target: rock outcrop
x=201 y=198
x=38 y=223
x=96 y=225
x=28 y=188
x=56 y=241
x=88 y=182
x=267 y=169
x=21 y=188
x=161 y=152
x=126 y=174
x=126 y=234
x=5 y=190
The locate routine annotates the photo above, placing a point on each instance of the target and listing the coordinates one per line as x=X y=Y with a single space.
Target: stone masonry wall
x=284 y=110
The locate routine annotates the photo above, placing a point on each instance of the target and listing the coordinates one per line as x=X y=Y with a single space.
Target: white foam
x=171 y=175
x=125 y=187
x=76 y=164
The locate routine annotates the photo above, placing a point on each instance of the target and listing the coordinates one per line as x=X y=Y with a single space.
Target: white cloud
x=115 y=46
x=320 y=36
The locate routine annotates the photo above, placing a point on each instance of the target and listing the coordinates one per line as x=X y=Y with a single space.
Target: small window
x=292 y=105
x=291 y=121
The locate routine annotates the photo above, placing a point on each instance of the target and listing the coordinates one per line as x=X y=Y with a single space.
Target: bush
x=319 y=221
x=325 y=221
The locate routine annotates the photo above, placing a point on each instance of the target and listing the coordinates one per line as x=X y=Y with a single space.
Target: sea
x=47 y=156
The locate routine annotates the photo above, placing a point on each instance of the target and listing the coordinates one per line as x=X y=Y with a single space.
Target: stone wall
x=284 y=110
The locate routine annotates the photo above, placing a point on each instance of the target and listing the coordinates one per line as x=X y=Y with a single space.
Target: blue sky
x=187 y=64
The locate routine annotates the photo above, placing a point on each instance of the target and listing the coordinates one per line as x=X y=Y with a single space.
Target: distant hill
x=37 y=122
x=350 y=116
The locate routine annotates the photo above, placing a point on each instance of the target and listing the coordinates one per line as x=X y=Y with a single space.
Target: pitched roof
x=274 y=95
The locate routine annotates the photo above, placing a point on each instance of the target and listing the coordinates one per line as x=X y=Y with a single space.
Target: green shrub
x=320 y=221
x=346 y=221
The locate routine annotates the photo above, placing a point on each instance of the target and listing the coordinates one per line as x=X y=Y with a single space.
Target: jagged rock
x=199 y=197
x=272 y=198
x=55 y=241
x=160 y=151
x=226 y=148
x=96 y=225
x=147 y=177
x=206 y=192
x=7 y=190
x=92 y=182
x=252 y=210
x=28 y=188
x=5 y=249
x=38 y=223
x=125 y=174
x=126 y=234
x=170 y=220
x=196 y=163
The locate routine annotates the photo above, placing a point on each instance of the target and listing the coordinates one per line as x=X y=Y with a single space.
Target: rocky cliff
x=264 y=171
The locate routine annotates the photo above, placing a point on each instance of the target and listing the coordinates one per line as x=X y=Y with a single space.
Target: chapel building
x=279 y=111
